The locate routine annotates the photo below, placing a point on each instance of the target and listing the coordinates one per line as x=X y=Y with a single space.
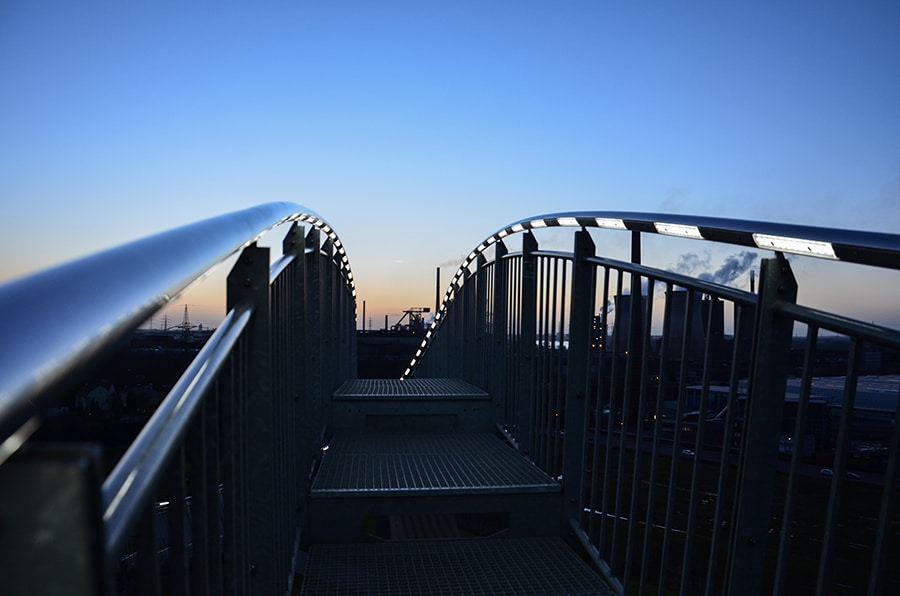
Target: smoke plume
x=699 y=266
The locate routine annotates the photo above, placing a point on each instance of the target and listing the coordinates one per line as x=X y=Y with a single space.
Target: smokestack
x=385 y=322
x=364 y=315
x=437 y=291
x=752 y=281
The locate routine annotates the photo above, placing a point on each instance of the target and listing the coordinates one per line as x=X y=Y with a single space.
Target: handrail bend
x=864 y=248
x=80 y=309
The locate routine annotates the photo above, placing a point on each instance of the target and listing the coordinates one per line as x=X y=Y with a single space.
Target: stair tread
x=479 y=566
x=396 y=389
x=425 y=463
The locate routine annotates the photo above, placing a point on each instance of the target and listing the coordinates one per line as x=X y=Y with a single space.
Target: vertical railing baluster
x=646 y=562
x=480 y=280
x=527 y=342
x=719 y=533
x=179 y=530
x=327 y=314
x=669 y=531
x=312 y=376
x=602 y=394
x=840 y=466
x=474 y=312
x=639 y=421
x=699 y=448
x=759 y=450
x=881 y=549
x=499 y=333
x=148 y=580
x=629 y=383
x=603 y=542
x=781 y=569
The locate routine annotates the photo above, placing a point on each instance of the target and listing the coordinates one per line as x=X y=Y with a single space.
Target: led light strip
x=795 y=245
x=610 y=223
x=683 y=231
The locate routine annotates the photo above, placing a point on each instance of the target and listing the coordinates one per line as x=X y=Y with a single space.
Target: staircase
x=416 y=493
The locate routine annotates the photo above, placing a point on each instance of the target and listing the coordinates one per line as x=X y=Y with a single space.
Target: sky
x=419 y=128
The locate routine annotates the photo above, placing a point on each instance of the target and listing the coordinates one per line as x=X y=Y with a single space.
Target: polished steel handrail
x=77 y=311
x=139 y=471
x=854 y=246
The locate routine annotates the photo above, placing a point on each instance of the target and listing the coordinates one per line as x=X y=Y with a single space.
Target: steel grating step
x=431 y=389
x=495 y=566
x=425 y=464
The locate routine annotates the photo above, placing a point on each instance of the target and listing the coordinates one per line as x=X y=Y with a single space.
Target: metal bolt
x=753 y=540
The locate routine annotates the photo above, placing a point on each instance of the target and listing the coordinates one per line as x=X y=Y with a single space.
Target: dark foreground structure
x=550 y=435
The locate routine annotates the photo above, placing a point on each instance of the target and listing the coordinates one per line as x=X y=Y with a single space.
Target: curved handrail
x=854 y=246
x=78 y=310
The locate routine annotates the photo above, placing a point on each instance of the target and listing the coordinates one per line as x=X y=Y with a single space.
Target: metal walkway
x=457 y=510
x=511 y=566
x=418 y=464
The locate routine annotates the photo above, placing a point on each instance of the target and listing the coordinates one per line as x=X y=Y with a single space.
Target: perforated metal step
x=425 y=464
x=510 y=566
x=408 y=389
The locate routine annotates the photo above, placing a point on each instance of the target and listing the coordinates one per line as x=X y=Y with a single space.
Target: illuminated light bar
x=502 y=234
x=680 y=230
x=481 y=247
x=567 y=221
x=611 y=223
x=406 y=374
x=491 y=240
x=471 y=256
x=539 y=223
x=798 y=246
x=517 y=228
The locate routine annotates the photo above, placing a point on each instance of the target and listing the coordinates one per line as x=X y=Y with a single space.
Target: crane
x=416 y=322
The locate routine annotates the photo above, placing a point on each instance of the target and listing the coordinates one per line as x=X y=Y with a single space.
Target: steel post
x=249 y=281
x=577 y=382
x=51 y=531
x=759 y=452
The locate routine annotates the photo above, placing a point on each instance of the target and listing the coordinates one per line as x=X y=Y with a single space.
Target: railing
x=229 y=450
x=684 y=462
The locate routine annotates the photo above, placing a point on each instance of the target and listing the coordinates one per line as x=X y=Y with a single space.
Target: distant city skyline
x=417 y=129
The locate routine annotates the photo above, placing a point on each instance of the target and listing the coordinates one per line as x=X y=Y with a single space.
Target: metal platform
x=509 y=566
x=424 y=464
x=408 y=389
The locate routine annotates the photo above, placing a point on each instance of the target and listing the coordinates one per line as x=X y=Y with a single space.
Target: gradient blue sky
x=417 y=128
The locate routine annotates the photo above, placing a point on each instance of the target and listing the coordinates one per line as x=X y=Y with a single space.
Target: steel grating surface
x=409 y=388
x=507 y=566
x=415 y=464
